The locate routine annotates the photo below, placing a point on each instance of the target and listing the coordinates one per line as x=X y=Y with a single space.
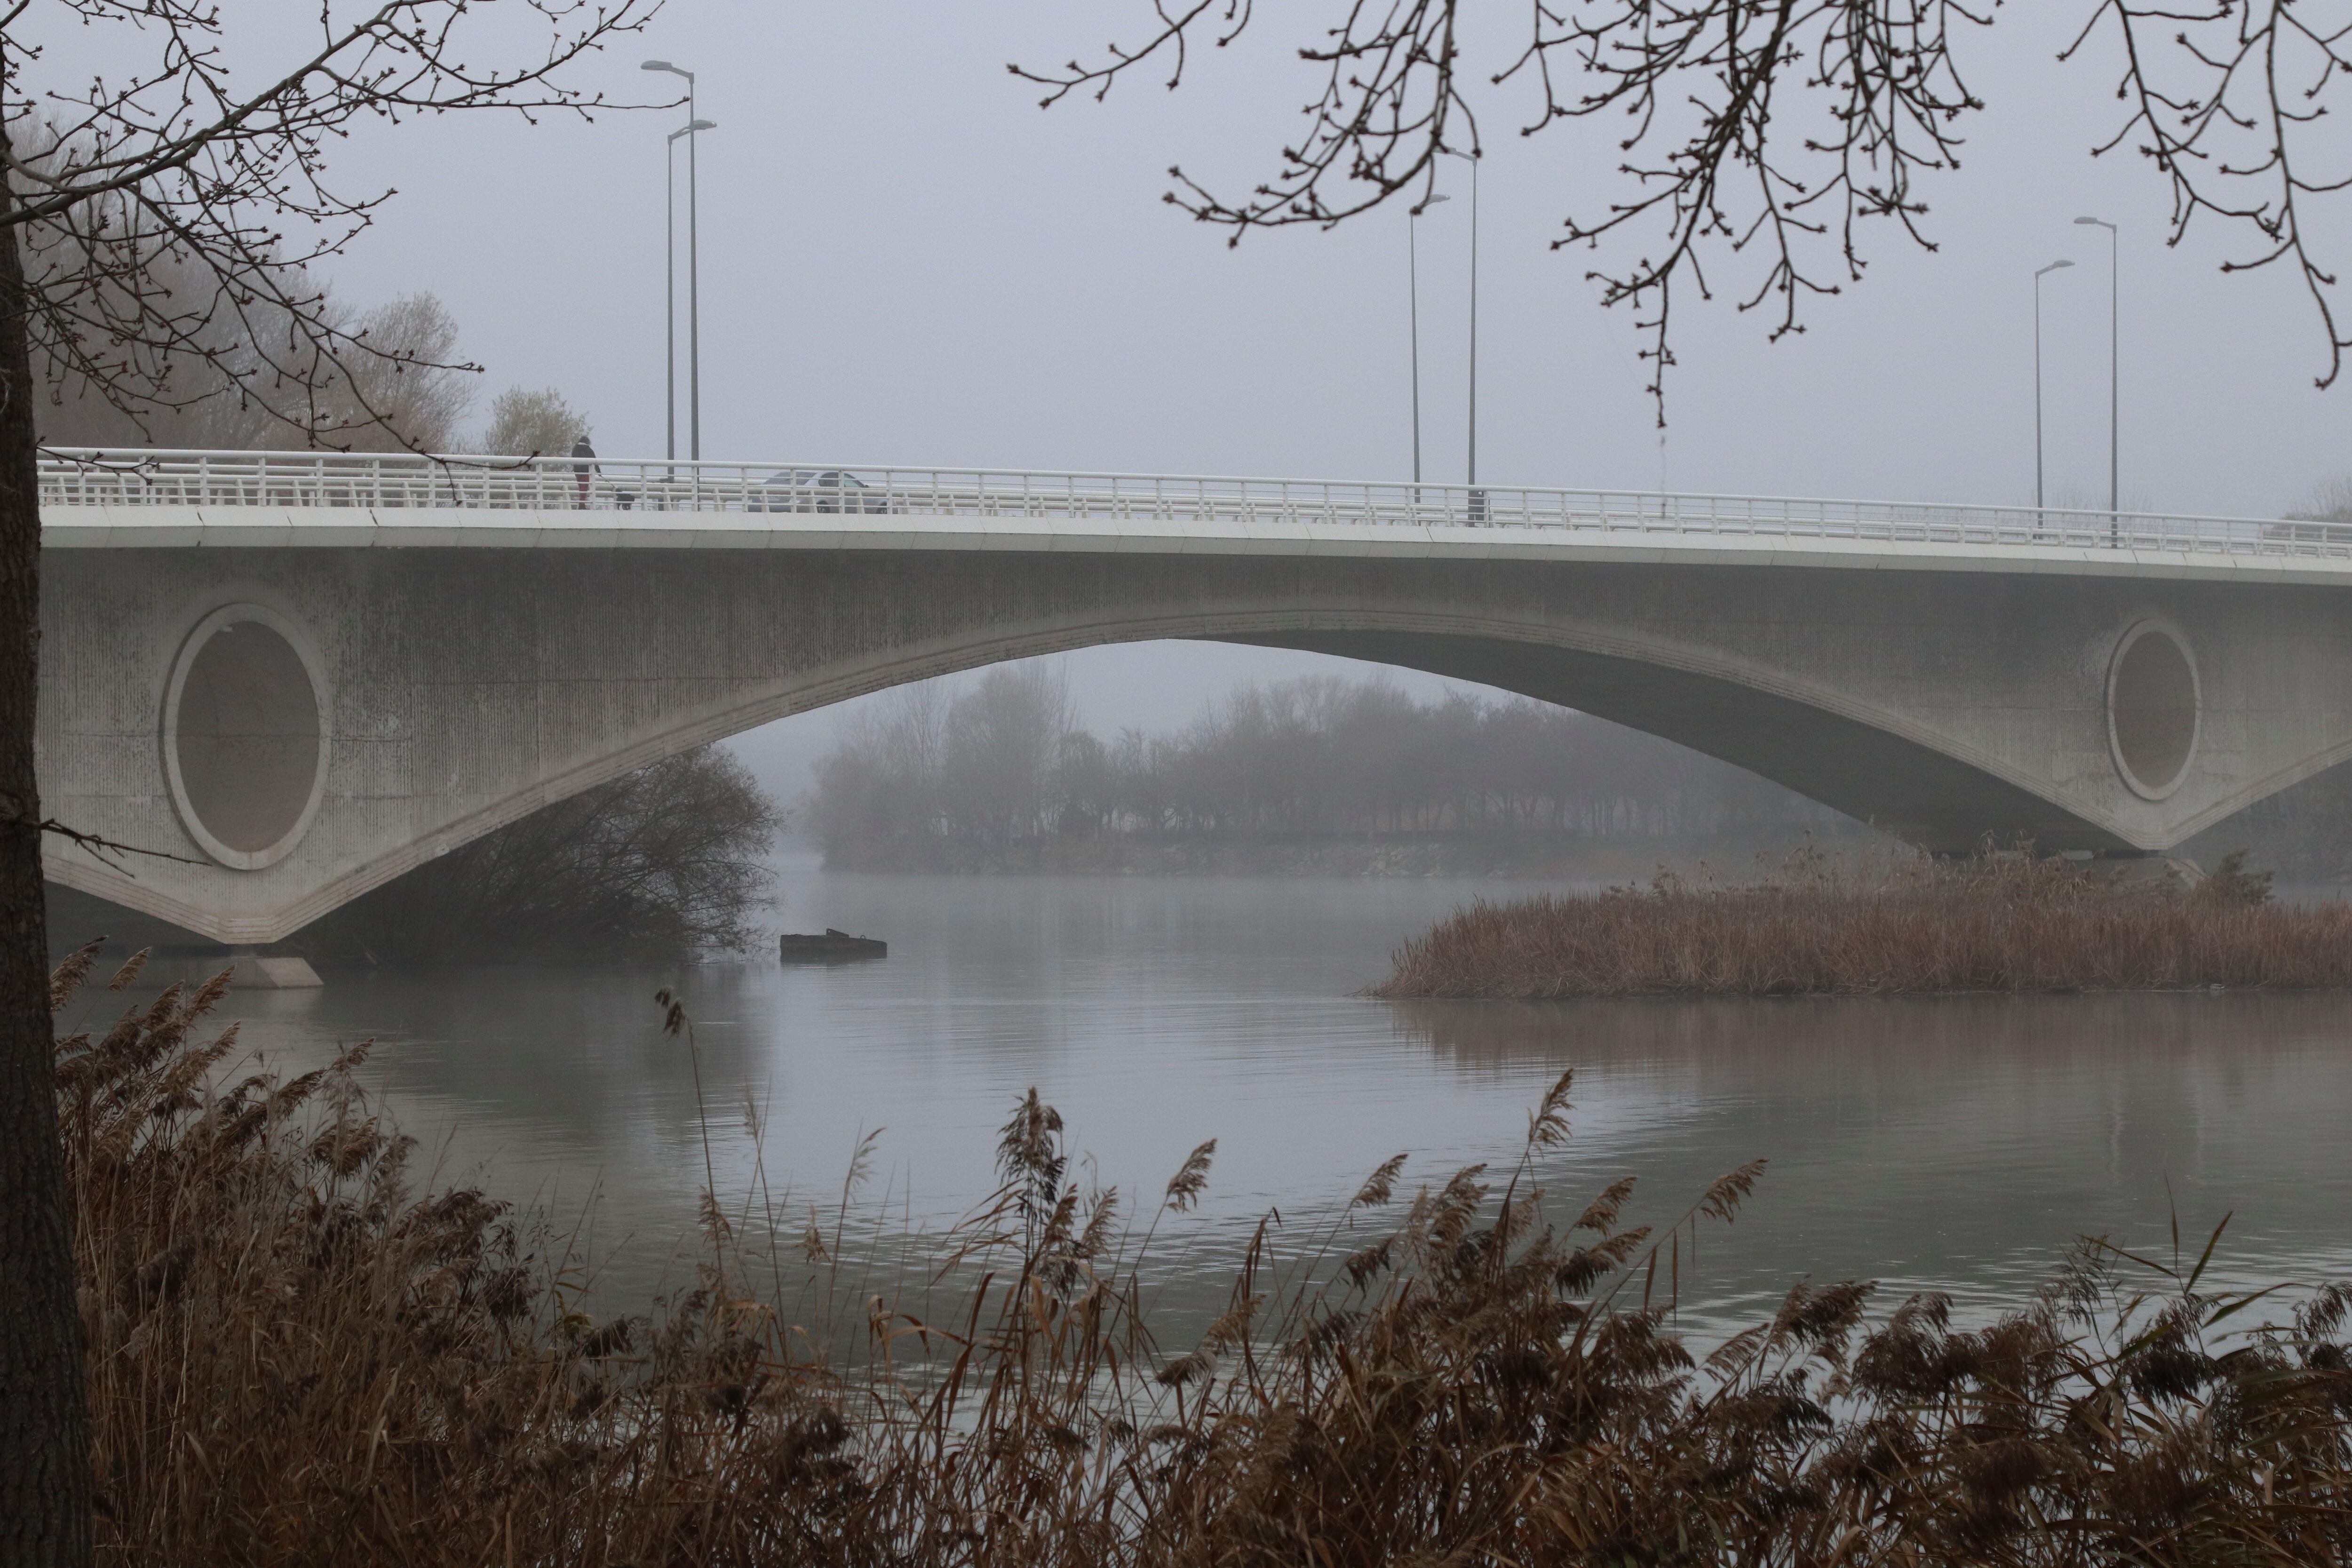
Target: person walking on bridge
x=582 y=472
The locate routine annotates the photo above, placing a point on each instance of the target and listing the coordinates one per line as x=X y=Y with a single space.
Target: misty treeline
x=989 y=776
x=2330 y=501
x=250 y=375
x=412 y=399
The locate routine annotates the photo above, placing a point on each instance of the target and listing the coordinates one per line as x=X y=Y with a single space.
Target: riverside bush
x=655 y=866
x=2010 y=922
x=299 y=1355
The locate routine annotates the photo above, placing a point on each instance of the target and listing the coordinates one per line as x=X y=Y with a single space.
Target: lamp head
x=1429 y=202
x=2054 y=266
x=2097 y=222
x=666 y=66
x=702 y=125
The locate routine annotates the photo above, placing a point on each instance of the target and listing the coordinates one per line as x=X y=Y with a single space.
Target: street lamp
x=693 y=271
x=2037 y=383
x=693 y=294
x=1473 y=157
x=1413 y=276
x=2115 y=378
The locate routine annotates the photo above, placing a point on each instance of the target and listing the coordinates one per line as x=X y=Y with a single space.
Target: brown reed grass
x=296 y=1356
x=2006 y=922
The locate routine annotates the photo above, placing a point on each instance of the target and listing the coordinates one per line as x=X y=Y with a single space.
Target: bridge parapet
x=407 y=481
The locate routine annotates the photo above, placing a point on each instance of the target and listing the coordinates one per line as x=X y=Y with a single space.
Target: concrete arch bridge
x=307 y=673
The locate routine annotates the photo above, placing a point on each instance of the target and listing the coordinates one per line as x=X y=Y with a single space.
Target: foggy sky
x=905 y=261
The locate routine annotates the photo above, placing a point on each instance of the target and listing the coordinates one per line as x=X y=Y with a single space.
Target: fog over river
x=1956 y=1144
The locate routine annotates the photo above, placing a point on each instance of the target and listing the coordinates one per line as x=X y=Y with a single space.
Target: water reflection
x=1958 y=1143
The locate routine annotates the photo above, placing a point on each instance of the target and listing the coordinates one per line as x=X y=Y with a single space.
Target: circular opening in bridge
x=2152 y=710
x=244 y=744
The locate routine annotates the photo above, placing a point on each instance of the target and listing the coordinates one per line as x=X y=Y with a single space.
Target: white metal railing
x=391 y=481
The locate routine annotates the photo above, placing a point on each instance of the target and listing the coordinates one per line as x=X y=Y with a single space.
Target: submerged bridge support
x=306 y=681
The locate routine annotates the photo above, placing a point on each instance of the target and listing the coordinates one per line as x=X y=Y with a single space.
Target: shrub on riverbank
x=1998 y=924
x=654 y=866
x=297 y=1355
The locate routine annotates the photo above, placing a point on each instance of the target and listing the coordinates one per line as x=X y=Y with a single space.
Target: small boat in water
x=832 y=947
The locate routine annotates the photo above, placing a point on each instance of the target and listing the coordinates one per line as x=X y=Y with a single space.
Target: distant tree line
x=982 y=778
x=407 y=393
x=2329 y=502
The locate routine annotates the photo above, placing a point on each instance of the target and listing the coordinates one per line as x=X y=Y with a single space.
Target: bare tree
x=2329 y=502
x=405 y=394
x=413 y=397
x=656 y=867
x=1002 y=740
x=144 y=259
x=1772 y=128
x=527 y=424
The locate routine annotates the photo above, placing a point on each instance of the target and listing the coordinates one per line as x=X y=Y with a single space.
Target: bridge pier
x=256 y=973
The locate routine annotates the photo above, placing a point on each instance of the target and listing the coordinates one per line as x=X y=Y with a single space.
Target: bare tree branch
x=106 y=849
x=144 y=256
x=1770 y=129
x=153 y=212
x=2232 y=127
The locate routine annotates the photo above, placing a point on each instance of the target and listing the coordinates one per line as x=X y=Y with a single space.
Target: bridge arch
x=469 y=688
x=1879 y=766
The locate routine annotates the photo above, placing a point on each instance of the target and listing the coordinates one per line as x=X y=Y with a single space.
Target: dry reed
x=1998 y=924
x=297 y=1357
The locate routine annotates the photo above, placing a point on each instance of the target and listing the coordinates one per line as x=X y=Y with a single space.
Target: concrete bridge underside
x=458 y=690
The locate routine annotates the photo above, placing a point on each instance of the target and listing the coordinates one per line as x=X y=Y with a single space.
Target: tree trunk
x=45 y=1477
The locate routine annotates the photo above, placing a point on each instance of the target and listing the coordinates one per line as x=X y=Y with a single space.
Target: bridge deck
x=161 y=499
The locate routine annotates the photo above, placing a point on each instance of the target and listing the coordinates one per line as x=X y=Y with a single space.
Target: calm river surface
x=1958 y=1143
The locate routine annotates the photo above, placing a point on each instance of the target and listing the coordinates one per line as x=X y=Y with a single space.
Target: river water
x=1956 y=1144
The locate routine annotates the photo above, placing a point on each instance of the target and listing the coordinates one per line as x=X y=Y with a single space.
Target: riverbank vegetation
x=298 y=1352
x=656 y=867
x=2000 y=922
x=661 y=865
x=1319 y=774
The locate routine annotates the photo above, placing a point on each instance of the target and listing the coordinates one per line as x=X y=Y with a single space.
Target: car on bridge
x=809 y=489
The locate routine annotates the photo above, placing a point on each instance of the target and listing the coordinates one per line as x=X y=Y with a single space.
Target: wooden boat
x=832 y=947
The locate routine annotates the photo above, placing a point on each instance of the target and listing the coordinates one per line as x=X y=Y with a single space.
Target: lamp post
x=2115 y=377
x=2037 y=383
x=669 y=299
x=693 y=273
x=1413 y=276
x=1474 y=320
x=1472 y=159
